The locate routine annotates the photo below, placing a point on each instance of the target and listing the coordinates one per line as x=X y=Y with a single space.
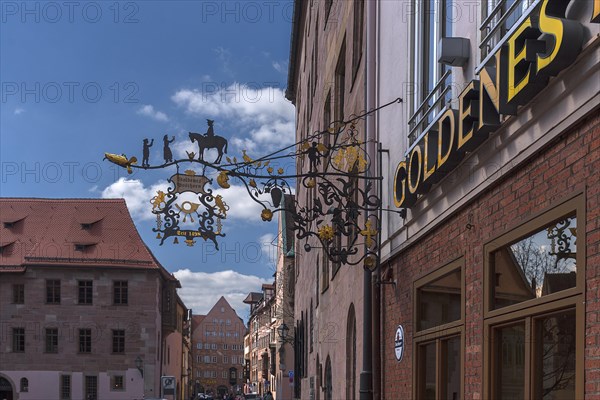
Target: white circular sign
x=399 y=343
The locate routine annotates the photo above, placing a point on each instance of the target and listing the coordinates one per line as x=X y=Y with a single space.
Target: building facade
x=84 y=305
x=283 y=383
x=263 y=340
x=493 y=154
x=326 y=83
x=218 y=350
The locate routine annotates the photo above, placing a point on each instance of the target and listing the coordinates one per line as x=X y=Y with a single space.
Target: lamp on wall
x=139 y=364
x=283 y=331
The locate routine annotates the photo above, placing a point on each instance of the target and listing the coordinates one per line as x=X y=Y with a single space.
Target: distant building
x=176 y=358
x=84 y=306
x=262 y=339
x=218 y=350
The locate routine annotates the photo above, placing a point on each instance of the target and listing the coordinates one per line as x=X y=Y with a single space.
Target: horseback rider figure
x=210 y=132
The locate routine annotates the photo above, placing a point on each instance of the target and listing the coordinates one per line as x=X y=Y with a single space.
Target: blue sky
x=82 y=78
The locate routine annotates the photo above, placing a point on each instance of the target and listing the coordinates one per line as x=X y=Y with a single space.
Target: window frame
x=18 y=340
x=51 y=340
x=574 y=206
x=84 y=341
x=113 y=383
x=85 y=292
x=18 y=293
x=65 y=387
x=120 y=293
x=534 y=309
x=442 y=332
x=118 y=341
x=53 y=288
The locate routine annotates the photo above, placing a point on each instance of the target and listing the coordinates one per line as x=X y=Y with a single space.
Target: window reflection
x=440 y=301
x=555 y=356
x=540 y=264
x=510 y=362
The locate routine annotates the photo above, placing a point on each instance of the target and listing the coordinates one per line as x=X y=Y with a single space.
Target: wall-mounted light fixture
x=139 y=364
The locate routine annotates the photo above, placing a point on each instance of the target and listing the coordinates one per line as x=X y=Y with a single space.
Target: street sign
x=399 y=343
x=168 y=384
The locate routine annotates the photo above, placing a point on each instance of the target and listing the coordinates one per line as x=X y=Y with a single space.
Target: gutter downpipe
x=367 y=381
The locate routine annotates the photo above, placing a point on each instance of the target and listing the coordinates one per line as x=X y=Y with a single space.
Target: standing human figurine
x=146 y=153
x=167 y=154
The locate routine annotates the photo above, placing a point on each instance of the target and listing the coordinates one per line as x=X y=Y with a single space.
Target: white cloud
x=201 y=290
x=263 y=111
x=149 y=111
x=280 y=66
x=136 y=195
x=19 y=111
x=241 y=205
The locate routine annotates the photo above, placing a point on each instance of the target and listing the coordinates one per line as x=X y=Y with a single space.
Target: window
x=18 y=340
x=214 y=346
x=65 y=387
x=439 y=311
x=494 y=30
x=53 y=291
x=120 y=293
x=85 y=292
x=85 y=340
x=534 y=279
x=224 y=346
x=225 y=360
x=234 y=359
x=340 y=84
x=328 y=380
x=24 y=385
x=224 y=374
x=91 y=388
x=433 y=20
x=351 y=354
x=117 y=382
x=19 y=293
x=325 y=271
x=357 y=34
x=213 y=374
x=207 y=359
x=199 y=346
x=228 y=322
x=118 y=341
x=312 y=325
x=213 y=359
x=51 y=340
x=538 y=265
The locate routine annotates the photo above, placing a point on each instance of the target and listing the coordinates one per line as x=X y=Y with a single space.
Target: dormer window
x=83 y=246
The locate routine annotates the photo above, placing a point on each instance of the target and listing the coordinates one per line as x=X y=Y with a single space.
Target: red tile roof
x=71 y=232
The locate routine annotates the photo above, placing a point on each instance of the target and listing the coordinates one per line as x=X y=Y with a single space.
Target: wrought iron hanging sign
x=341 y=213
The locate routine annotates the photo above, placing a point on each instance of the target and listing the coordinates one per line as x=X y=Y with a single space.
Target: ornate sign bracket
x=341 y=214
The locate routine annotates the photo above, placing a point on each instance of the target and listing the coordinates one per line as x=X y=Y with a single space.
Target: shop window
x=439 y=311
x=540 y=264
x=536 y=327
x=439 y=300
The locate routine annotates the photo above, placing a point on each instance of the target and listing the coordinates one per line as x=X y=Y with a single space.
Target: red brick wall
x=569 y=165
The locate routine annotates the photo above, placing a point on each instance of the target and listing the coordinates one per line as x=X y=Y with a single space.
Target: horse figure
x=209 y=142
